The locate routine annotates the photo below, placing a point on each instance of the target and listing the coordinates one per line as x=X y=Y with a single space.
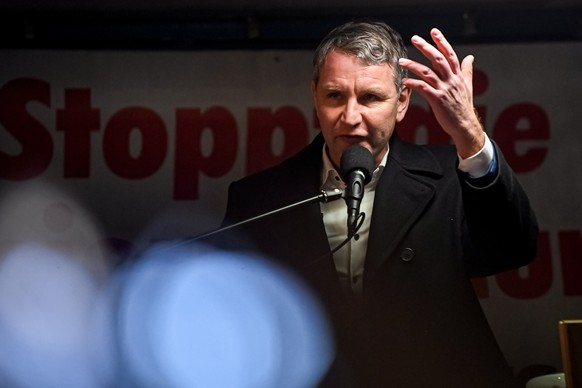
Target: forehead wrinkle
x=347 y=72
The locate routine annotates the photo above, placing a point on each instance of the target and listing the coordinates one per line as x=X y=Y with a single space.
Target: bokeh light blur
x=191 y=317
x=50 y=274
x=178 y=316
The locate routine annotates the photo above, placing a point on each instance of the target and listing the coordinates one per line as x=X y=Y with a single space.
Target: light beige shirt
x=349 y=260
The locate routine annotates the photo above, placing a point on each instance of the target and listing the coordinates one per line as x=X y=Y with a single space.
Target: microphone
x=356 y=165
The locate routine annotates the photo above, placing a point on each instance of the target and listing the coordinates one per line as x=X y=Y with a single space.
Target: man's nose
x=352 y=114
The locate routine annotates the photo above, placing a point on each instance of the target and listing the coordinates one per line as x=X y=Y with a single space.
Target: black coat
x=420 y=324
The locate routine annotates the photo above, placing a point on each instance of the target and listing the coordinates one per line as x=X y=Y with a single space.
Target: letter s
x=36 y=142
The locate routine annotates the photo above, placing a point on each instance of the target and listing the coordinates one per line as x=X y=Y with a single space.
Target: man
x=399 y=293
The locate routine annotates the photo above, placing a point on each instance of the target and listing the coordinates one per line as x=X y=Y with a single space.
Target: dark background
x=267 y=24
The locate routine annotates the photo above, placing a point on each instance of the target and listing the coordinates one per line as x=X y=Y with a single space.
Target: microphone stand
x=324 y=196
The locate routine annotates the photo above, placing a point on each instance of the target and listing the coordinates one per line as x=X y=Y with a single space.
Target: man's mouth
x=352 y=139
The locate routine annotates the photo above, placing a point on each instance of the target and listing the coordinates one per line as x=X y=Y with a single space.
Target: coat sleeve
x=502 y=227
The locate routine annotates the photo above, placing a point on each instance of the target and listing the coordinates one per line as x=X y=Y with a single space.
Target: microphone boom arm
x=324 y=196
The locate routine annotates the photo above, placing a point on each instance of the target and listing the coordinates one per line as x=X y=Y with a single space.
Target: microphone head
x=356 y=157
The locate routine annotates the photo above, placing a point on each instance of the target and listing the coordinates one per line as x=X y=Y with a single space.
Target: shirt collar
x=331 y=179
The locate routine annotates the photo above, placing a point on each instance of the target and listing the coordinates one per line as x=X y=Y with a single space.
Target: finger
x=425 y=73
x=425 y=90
x=439 y=63
x=446 y=49
x=467 y=71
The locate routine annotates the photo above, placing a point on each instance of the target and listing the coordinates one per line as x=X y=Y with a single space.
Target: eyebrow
x=375 y=90
x=333 y=87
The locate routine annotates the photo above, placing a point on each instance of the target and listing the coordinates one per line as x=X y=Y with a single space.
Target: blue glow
x=212 y=319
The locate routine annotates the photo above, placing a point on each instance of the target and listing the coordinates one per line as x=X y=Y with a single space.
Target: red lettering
x=480 y=82
x=518 y=123
x=571 y=255
x=36 y=141
x=539 y=277
x=117 y=145
x=77 y=120
x=262 y=124
x=190 y=160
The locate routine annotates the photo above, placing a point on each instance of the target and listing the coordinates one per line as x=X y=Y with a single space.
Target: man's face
x=356 y=103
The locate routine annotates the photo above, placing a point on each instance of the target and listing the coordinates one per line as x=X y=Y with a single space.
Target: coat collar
x=404 y=190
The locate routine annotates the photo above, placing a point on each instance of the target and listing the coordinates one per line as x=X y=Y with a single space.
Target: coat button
x=407 y=254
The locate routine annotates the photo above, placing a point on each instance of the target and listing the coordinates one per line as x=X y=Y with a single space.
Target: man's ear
x=403 y=102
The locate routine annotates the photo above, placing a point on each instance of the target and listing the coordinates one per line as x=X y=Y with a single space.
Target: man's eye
x=334 y=95
x=369 y=97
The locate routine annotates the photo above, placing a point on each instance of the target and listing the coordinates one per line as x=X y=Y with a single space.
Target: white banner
x=147 y=143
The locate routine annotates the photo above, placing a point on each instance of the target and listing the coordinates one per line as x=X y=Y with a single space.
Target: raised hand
x=448 y=88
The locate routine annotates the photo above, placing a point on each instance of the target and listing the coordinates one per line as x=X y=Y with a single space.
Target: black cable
x=359 y=221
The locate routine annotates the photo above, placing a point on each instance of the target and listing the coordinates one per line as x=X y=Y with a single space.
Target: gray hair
x=373 y=42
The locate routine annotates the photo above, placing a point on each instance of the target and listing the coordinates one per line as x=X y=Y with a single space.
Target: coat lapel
x=403 y=193
x=302 y=229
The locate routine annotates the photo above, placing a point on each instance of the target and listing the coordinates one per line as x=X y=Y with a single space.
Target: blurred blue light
x=46 y=300
x=194 y=318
